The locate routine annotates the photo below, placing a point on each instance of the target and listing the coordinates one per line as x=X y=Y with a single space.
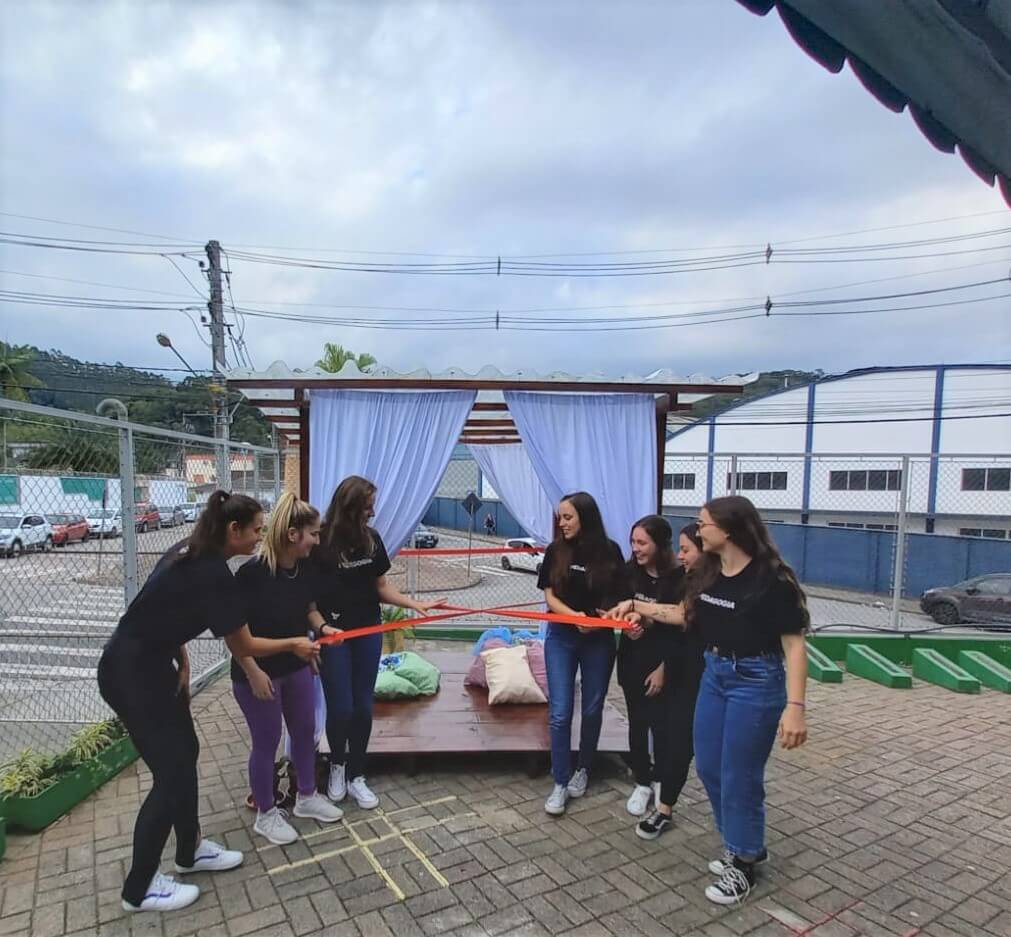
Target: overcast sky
x=468 y=128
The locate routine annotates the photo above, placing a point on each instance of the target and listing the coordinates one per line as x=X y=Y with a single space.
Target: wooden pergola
x=284 y=401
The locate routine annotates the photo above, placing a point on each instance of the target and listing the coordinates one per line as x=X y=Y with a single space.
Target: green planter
x=3 y=837
x=36 y=813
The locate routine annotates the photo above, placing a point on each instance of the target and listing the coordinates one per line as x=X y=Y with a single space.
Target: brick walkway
x=893 y=820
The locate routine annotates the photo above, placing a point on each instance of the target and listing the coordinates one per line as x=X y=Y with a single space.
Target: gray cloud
x=470 y=128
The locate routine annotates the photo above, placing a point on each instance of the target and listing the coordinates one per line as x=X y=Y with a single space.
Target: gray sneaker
x=578 y=783
x=555 y=804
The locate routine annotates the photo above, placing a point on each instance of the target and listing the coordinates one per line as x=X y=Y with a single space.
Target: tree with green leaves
x=15 y=373
x=336 y=356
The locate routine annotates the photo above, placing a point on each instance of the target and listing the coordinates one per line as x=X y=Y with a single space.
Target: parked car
x=105 y=523
x=425 y=539
x=191 y=510
x=146 y=517
x=22 y=532
x=531 y=561
x=982 y=599
x=170 y=516
x=67 y=528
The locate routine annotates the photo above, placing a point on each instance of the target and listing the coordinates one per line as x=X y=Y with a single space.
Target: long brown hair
x=593 y=542
x=659 y=531
x=742 y=523
x=288 y=513
x=211 y=529
x=346 y=524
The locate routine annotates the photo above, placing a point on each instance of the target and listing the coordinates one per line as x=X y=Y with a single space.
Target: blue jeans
x=565 y=650
x=736 y=719
x=348 y=672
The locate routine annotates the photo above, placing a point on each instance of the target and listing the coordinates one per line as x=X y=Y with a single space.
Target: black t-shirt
x=660 y=642
x=183 y=597
x=277 y=606
x=584 y=591
x=347 y=593
x=746 y=614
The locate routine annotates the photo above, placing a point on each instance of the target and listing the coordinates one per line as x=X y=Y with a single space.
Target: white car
x=191 y=510
x=105 y=523
x=531 y=561
x=22 y=532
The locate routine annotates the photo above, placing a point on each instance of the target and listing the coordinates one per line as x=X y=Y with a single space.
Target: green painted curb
x=821 y=668
x=869 y=664
x=985 y=669
x=935 y=668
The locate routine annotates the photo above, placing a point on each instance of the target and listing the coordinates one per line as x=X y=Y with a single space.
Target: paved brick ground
x=893 y=820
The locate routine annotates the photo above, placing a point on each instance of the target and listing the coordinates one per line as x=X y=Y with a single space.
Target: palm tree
x=15 y=378
x=336 y=356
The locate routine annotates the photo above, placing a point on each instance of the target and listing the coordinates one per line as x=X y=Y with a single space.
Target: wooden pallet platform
x=458 y=719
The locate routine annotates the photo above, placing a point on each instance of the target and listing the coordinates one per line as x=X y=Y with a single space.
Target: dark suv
x=980 y=600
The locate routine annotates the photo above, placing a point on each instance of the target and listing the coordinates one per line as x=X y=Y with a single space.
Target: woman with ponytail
x=279 y=588
x=352 y=563
x=143 y=675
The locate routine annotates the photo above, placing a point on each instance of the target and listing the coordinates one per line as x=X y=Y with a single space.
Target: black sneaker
x=734 y=884
x=655 y=824
x=719 y=866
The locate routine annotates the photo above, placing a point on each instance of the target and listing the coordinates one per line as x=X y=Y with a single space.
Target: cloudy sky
x=462 y=130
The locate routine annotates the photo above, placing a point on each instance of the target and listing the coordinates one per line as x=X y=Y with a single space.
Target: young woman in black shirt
x=582 y=573
x=352 y=563
x=279 y=587
x=668 y=712
x=750 y=614
x=143 y=675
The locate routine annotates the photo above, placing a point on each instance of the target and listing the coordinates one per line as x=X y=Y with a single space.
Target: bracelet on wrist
x=793 y=702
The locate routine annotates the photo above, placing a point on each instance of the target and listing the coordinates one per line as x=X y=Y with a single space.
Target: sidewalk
x=895 y=819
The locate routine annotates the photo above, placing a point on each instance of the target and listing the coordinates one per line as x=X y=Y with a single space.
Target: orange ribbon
x=459 y=611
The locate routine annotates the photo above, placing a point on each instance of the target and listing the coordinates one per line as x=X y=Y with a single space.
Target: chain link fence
x=87 y=506
x=880 y=542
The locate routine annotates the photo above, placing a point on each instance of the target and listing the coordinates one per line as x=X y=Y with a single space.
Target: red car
x=67 y=528
x=146 y=517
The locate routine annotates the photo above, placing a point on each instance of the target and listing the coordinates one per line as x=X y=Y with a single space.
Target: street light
x=166 y=342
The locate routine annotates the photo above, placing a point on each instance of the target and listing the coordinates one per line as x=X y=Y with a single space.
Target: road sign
x=472 y=504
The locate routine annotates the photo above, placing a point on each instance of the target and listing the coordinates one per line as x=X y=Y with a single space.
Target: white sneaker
x=578 y=782
x=317 y=807
x=210 y=857
x=165 y=894
x=555 y=804
x=359 y=790
x=273 y=826
x=640 y=800
x=337 y=786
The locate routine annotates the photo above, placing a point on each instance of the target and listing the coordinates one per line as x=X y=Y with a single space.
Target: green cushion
x=390 y=686
x=421 y=673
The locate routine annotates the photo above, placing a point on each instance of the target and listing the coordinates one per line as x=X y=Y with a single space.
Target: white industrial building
x=842 y=450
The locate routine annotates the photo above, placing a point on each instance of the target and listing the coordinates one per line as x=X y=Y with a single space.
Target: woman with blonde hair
x=352 y=563
x=279 y=588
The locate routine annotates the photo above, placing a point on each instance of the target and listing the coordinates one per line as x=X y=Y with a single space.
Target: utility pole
x=221 y=416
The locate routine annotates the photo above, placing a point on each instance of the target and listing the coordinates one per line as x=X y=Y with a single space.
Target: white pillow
x=509 y=676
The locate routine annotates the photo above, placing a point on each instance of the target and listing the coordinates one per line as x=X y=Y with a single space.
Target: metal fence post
x=127 y=498
x=257 y=494
x=224 y=465
x=276 y=458
x=733 y=475
x=898 y=573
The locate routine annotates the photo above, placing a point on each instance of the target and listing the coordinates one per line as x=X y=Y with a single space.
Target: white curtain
x=400 y=440
x=604 y=444
x=512 y=475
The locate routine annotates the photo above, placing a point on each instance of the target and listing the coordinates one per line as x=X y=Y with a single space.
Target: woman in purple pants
x=279 y=591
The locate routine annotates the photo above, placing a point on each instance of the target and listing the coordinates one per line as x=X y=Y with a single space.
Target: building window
x=990 y=533
x=679 y=481
x=861 y=480
x=851 y=526
x=758 y=481
x=986 y=479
